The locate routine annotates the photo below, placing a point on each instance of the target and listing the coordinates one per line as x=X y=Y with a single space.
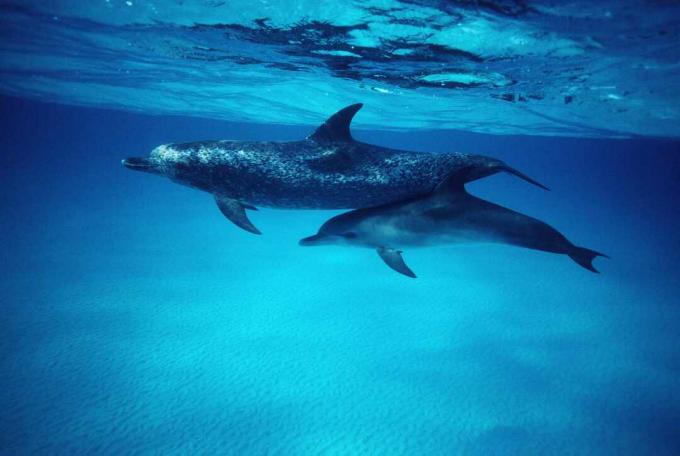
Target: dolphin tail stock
x=584 y=257
x=457 y=179
x=521 y=175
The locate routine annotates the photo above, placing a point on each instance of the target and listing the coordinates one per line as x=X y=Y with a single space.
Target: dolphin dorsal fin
x=454 y=183
x=336 y=128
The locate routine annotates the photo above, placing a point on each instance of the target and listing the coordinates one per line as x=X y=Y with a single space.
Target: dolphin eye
x=349 y=235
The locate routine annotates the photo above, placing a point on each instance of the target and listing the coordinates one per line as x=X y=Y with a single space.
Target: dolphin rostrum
x=326 y=170
x=448 y=215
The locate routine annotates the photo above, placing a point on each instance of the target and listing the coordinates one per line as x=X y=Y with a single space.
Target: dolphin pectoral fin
x=393 y=259
x=235 y=211
x=336 y=127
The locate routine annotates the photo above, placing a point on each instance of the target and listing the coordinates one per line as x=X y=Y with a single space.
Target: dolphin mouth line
x=310 y=240
x=140 y=164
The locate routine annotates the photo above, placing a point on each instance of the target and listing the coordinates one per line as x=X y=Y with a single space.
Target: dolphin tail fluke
x=235 y=211
x=521 y=175
x=585 y=257
x=393 y=259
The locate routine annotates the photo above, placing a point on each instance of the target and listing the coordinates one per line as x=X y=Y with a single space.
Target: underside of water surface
x=544 y=67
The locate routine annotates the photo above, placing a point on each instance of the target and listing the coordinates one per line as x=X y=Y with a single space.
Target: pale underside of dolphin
x=326 y=170
x=449 y=215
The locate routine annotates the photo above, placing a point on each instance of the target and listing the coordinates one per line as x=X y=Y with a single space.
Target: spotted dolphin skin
x=448 y=215
x=326 y=170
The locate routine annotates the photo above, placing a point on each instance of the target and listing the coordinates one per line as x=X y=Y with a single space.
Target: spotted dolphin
x=326 y=170
x=449 y=215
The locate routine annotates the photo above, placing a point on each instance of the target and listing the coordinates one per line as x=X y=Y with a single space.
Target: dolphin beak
x=312 y=240
x=139 y=164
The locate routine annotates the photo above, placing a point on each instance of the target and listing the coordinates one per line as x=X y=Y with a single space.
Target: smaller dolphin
x=448 y=215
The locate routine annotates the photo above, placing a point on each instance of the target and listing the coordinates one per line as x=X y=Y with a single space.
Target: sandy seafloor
x=136 y=320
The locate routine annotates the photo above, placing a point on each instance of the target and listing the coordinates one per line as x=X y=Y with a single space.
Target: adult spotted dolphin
x=326 y=170
x=449 y=215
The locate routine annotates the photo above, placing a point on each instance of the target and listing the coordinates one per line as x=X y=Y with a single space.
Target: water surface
x=542 y=67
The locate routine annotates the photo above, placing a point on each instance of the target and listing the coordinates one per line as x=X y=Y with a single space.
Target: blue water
x=135 y=319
